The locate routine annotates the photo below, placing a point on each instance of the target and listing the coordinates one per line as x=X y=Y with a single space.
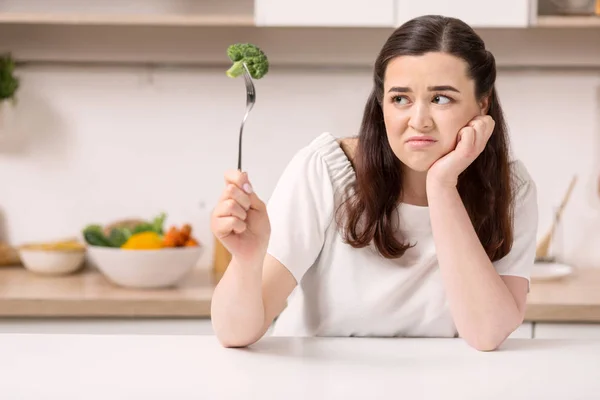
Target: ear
x=484 y=104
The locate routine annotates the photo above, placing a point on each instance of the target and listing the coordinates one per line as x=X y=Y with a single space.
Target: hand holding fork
x=240 y=220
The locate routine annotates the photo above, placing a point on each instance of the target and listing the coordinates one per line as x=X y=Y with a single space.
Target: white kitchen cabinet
x=110 y=326
x=477 y=13
x=545 y=330
x=329 y=13
x=525 y=331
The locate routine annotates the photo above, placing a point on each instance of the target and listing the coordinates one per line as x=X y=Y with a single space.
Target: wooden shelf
x=207 y=20
x=127 y=20
x=560 y=21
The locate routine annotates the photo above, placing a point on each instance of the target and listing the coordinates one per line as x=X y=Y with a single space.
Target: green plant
x=94 y=233
x=8 y=82
x=255 y=59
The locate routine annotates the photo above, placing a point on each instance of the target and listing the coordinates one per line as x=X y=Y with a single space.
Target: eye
x=400 y=100
x=439 y=99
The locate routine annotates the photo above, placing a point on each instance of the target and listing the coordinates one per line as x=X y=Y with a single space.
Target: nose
x=420 y=118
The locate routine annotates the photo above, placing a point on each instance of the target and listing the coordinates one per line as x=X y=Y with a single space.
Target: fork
x=250 y=100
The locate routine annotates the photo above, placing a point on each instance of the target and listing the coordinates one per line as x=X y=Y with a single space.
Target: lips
x=421 y=139
x=419 y=143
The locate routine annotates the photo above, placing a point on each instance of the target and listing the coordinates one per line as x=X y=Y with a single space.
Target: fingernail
x=247 y=188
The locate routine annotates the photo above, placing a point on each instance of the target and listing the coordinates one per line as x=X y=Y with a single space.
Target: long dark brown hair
x=369 y=214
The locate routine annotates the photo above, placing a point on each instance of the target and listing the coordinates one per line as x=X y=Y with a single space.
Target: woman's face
x=427 y=99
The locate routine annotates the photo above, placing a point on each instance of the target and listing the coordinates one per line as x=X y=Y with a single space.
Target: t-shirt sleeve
x=520 y=259
x=300 y=211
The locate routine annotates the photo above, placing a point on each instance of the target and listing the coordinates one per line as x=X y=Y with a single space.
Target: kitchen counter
x=89 y=294
x=572 y=299
x=197 y=367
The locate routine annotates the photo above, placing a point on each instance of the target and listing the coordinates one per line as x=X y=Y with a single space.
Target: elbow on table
x=485 y=344
x=234 y=344
x=232 y=334
x=231 y=341
x=490 y=339
x=236 y=338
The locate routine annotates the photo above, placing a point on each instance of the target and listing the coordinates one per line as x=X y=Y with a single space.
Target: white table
x=196 y=367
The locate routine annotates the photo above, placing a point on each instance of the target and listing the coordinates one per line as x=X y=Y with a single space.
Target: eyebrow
x=404 y=89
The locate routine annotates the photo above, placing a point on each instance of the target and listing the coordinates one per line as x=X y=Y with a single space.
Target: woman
x=419 y=227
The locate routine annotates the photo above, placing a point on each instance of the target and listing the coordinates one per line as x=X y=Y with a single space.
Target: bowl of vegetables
x=142 y=254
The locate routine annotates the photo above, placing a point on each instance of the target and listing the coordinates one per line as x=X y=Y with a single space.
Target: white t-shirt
x=344 y=291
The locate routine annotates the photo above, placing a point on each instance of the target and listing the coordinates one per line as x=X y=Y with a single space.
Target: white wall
x=96 y=143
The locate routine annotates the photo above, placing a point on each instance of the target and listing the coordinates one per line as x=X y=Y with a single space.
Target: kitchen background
x=118 y=120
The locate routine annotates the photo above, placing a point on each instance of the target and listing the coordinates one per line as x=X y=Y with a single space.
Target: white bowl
x=52 y=262
x=145 y=269
x=549 y=271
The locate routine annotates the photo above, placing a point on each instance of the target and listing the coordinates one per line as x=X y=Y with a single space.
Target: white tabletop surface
x=196 y=367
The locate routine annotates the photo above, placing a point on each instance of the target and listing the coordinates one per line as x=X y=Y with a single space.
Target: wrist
x=444 y=181
x=436 y=190
x=247 y=265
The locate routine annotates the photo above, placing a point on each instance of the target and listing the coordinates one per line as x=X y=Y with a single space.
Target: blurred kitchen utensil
x=575 y=7
x=8 y=255
x=544 y=244
x=221 y=259
x=250 y=100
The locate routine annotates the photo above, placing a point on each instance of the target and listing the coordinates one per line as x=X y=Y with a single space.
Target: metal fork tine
x=248 y=79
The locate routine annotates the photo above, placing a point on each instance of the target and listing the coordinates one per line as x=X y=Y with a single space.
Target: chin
x=418 y=165
x=417 y=160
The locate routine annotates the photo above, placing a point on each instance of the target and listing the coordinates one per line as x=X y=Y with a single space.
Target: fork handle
x=239 y=166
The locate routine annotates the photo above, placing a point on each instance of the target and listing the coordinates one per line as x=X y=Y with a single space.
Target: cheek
x=395 y=121
x=450 y=123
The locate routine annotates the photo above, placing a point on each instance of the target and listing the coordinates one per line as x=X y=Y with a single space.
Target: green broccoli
x=94 y=236
x=255 y=59
x=8 y=82
x=156 y=225
x=118 y=236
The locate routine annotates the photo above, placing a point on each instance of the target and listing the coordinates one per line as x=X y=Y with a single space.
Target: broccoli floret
x=255 y=59
x=8 y=82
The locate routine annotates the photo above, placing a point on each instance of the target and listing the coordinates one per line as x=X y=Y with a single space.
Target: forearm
x=237 y=309
x=484 y=310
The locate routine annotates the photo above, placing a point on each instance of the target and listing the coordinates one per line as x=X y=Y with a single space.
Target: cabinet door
x=477 y=13
x=334 y=13
x=544 y=330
